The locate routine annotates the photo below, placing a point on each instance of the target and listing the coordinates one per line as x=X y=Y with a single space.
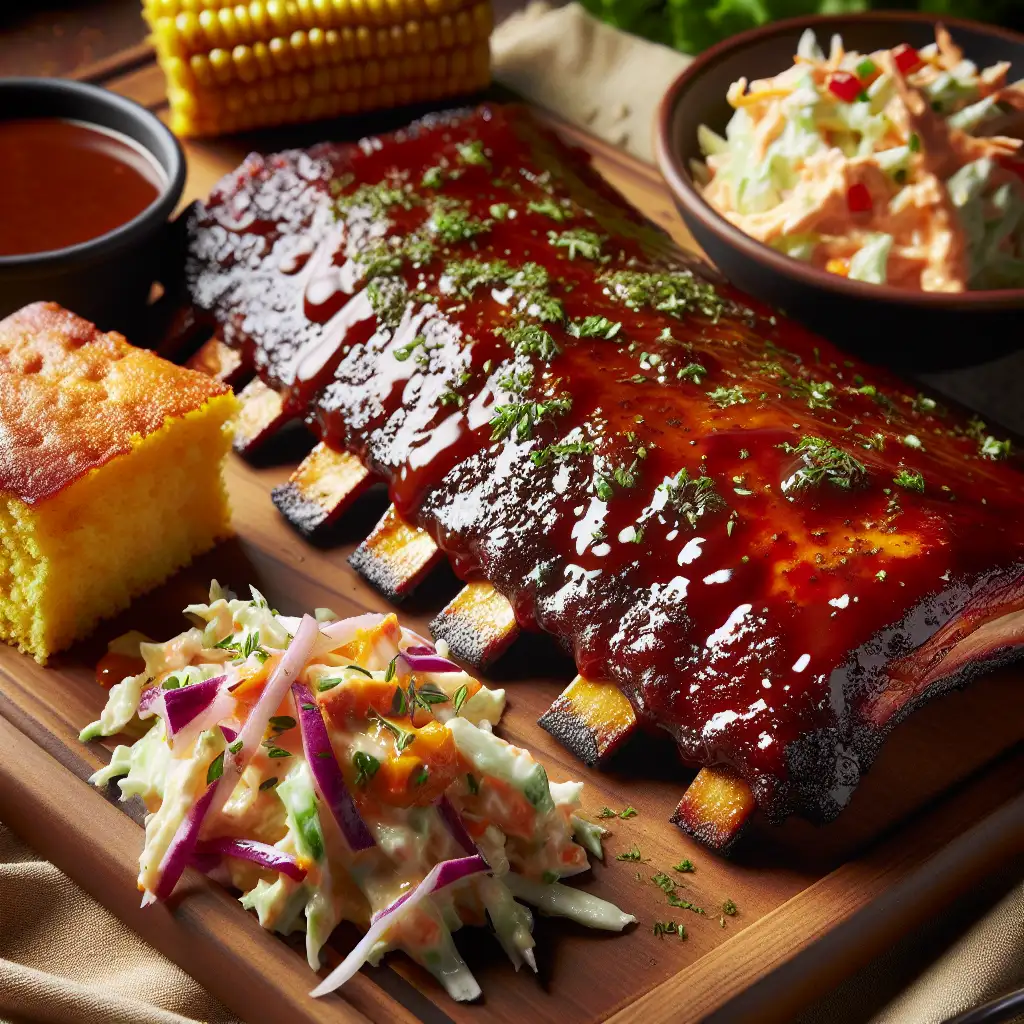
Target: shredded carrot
x=750 y=98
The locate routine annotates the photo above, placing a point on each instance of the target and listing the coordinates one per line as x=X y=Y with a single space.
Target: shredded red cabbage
x=251 y=734
x=316 y=744
x=454 y=823
x=426 y=659
x=188 y=702
x=259 y=853
x=181 y=849
x=448 y=872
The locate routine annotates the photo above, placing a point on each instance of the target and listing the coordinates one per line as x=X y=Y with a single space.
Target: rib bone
x=396 y=556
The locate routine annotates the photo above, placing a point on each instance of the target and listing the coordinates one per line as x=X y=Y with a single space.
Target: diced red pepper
x=844 y=85
x=858 y=198
x=907 y=59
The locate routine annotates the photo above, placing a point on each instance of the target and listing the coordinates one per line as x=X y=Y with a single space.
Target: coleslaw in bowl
x=900 y=166
x=343 y=769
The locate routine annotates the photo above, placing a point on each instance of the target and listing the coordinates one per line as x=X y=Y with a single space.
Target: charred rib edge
x=396 y=556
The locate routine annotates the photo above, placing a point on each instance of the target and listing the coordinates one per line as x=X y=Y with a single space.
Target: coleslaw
x=343 y=770
x=900 y=167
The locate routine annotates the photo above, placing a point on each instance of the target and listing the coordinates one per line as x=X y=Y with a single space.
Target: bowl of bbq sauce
x=88 y=181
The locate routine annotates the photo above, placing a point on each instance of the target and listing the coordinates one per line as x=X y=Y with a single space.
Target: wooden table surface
x=62 y=38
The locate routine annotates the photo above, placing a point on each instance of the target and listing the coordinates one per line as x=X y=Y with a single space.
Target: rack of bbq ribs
x=744 y=537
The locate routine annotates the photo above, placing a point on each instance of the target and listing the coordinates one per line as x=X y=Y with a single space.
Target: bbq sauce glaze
x=727 y=516
x=63 y=182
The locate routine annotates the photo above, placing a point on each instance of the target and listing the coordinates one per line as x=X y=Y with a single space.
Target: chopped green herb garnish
x=691 y=497
x=172 y=682
x=724 y=397
x=499 y=211
x=909 y=479
x=268 y=783
x=472 y=783
x=663 y=882
x=607 y=812
x=402 y=738
x=729 y=908
x=216 y=769
x=633 y=854
x=880 y=575
x=550 y=877
x=663 y=928
x=359 y=668
x=579 y=242
x=428 y=695
x=402 y=353
x=677 y=293
x=460 y=697
x=282 y=723
x=692 y=371
x=278 y=752
x=235 y=747
x=452 y=223
x=520 y=417
x=366 y=767
x=594 y=327
x=433 y=177
x=550 y=208
x=328 y=684
x=991 y=448
x=530 y=340
x=914 y=143
x=560 y=451
x=817 y=393
x=391 y=669
x=681 y=904
x=629 y=812
x=472 y=153
x=378 y=199
x=685 y=866
x=420 y=778
x=389 y=298
x=823 y=463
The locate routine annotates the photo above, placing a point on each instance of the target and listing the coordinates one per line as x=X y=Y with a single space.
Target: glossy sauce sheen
x=756 y=629
x=63 y=182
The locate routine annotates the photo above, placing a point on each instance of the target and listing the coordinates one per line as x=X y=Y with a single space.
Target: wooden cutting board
x=940 y=808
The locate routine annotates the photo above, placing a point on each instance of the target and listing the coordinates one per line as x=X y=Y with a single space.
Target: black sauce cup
x=108 y=278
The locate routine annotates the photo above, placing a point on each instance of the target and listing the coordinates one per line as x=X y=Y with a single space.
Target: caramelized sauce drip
x=114 y=667
x=751 y=617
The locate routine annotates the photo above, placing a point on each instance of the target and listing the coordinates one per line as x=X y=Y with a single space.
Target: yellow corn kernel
x=299 y=44
x=264 y=62
x=281 y=55
x=234 y=65
x=220 y=64
x=318 y=46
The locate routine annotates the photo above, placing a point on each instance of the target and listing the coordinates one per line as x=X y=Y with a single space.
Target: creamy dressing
x=403 y=739
x=900 y=167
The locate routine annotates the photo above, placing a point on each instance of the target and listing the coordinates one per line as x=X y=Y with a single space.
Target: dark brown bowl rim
x=678 y=177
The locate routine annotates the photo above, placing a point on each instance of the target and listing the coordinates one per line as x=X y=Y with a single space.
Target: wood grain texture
x=859 y=880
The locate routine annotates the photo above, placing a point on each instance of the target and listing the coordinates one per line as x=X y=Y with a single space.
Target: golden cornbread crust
x=72 y=398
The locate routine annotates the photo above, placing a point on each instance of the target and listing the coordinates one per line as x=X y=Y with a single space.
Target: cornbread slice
x=110 y=474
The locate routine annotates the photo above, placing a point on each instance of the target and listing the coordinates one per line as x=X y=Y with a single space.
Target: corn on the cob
x=232 y=67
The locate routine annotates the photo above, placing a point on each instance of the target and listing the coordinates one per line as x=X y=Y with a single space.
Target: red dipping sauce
x=64 y=182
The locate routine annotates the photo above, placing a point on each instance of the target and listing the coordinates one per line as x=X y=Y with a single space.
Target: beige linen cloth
x=64 y=958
